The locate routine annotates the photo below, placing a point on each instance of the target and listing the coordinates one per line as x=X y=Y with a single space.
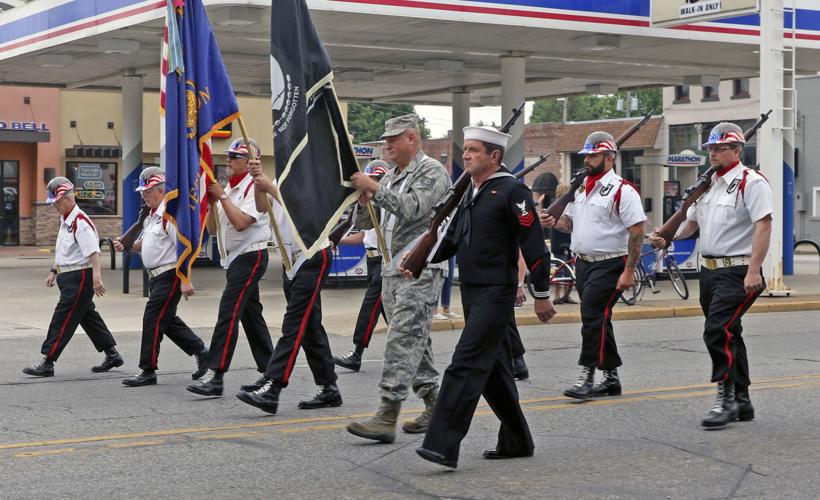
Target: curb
x=633 y=312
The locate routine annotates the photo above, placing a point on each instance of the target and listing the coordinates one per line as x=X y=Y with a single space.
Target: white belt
x=722 y=262
x=259 y=245
x=599 y=258
x=153 y=273
x=68 y=269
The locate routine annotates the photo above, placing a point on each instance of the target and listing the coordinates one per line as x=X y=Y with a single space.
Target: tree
x=596 y=107
x=366 y=120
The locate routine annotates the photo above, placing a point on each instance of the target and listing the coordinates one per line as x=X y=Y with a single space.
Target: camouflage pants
x=408 y=354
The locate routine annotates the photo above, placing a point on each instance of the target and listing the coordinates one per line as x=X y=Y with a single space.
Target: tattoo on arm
x=634 y=248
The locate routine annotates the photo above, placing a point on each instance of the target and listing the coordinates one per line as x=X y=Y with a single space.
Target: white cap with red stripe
x=599 y=142
x=57 y=188
x=150 y=178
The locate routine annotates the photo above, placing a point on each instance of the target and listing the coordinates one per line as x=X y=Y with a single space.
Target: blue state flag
x=199 y=100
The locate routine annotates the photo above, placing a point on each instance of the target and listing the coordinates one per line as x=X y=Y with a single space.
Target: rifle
x=130 y=237
x=557 y=207
x=417 y=258
x=696 y=190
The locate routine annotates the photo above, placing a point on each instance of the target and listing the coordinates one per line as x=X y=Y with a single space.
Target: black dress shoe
x=498 y=455
x=433 y=456
x=112 y=360
x=265 y=398
x=212 y=386
x=145 y=377
x=327 y=397
x=519 y=368
x=260 y=382
x=352 y=360
x=201 y=365
x=45 y=368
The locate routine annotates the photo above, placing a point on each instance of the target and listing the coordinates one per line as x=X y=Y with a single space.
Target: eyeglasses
x=234 y=156
x=718 y=149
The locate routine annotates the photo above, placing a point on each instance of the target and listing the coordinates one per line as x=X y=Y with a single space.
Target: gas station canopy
x=402 y=50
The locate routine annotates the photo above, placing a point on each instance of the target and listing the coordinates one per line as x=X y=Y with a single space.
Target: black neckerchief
x=463 y=229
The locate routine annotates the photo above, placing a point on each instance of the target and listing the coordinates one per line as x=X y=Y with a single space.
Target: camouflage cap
x=399 y=124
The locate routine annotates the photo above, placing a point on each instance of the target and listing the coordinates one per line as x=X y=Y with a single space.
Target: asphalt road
x=84 y=435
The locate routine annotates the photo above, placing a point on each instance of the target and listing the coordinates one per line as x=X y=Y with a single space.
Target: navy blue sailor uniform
x=490 y=226
x=159 y=257
x=600 y=222
x=737 y=199
x=77 y=240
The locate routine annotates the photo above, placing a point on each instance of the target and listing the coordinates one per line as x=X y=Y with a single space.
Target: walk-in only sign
x=667 y=13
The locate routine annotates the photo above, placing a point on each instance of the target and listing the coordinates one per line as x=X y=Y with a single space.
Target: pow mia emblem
x=606 y=190
x=731 y=189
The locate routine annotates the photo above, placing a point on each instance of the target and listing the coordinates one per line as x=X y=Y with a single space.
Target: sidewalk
x=27 y=305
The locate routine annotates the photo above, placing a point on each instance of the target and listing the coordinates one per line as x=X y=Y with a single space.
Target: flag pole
x=273 y=223
x=379 y=235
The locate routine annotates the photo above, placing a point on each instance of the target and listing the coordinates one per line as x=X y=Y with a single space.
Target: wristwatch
x=223 y=197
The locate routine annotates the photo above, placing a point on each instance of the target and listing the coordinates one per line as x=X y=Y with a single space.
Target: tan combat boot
x=381 y=426
x=420 y=424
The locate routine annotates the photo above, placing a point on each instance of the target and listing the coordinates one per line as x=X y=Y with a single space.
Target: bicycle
x=562 y=280
x=644 y=279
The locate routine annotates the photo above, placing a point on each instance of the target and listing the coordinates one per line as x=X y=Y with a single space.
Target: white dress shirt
x=726 y=216
x=232 y=241
x=77 y=239
x=159 y=240
x=294 y=252
x=598 y=226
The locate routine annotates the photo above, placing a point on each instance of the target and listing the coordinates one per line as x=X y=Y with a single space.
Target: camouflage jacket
x=426 y=182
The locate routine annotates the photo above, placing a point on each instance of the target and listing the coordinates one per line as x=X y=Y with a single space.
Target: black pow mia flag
x=314 y=156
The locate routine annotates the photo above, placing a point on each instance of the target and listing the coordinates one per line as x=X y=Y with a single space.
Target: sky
x=440 y=119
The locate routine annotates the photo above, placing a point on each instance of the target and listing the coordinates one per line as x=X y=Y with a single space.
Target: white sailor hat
x=486 y=134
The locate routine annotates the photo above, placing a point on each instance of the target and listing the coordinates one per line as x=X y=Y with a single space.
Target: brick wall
x=27 y=236
x=47 y=223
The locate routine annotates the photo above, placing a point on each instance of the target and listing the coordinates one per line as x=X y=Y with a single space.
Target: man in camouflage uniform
x=406 y=195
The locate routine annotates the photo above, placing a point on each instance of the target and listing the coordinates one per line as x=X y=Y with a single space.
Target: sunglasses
x=718 y=149
x=234 y=156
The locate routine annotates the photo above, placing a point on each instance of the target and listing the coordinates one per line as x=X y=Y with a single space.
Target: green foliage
x=366 y=120
x=593 y=107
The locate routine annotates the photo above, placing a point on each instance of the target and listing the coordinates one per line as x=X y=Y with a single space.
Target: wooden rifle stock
x=130 y=237
x=693 y=192
x=557 y=207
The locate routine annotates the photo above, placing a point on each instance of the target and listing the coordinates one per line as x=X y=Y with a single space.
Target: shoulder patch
x=606 y=190
x=525 y=217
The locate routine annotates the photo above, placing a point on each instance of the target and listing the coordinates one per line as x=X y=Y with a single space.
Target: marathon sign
x=364 y=151
x=24 y=126
x=685 y=160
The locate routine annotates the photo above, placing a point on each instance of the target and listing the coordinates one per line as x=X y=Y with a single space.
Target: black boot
x=45 y=368
x=266 y=398
x=201 y=364
x=745 y=410
x=352 y=360
x=260 y=382
x=519 y=368
x=609 y=385
x=145 y=377
x=327 y=397
x=112 y=360
x=210 y=386
x=725 y=408
x=583 y=387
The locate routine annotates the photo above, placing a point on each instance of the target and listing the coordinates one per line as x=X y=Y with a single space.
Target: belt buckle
x=710 y=264
x=727 y=262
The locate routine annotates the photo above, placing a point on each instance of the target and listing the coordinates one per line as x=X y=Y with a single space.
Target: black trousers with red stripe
x=302 y=325
x=516 y=345
x=480 y=367
x=371 y=304
x=724 y=301
x=160 y=319
x=240 y=301
x=597 y=283
x=75 y=308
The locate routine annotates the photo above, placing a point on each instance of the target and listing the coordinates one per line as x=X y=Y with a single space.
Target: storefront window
x=95 y=186
x=10 y=209
x=628 y=169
